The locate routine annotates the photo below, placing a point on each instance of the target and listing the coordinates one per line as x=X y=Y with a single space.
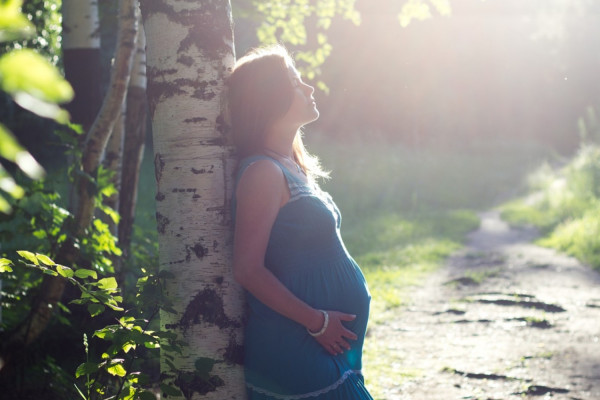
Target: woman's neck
x=280 y=143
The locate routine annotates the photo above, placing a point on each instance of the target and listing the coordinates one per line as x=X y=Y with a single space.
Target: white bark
x=80 y=24
x=138 y=70
x=99 y=133
x=113 y=161
x=135 y=134
x=190 y=51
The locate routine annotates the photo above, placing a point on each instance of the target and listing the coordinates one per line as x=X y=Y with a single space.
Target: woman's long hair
x=259 y=92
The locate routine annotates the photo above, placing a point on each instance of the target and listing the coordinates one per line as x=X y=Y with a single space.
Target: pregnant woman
x=308 y=300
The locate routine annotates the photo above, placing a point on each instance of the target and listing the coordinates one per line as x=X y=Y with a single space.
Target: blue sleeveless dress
x=306 y=253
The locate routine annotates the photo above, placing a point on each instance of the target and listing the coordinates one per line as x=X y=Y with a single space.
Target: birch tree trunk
x=81 y=58
x=135 y=135
x=113 y=161
x=190 y=51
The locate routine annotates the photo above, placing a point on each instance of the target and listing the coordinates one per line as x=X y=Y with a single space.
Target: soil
x=504 y=319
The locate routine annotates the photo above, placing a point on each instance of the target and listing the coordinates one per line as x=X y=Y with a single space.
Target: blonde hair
x=259 y=92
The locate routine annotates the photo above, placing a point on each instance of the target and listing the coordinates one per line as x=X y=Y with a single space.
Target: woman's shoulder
x=258 y=168
x=259 y=177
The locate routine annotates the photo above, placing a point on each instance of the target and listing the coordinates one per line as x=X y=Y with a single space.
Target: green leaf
x=164 y=274
x=85 y=273
x=13 y=151
x=128 y=346
x=169 y=390
x=44 y=109
x=204 y=364
x=109 y=284
x=45 y=259
x=13 y=24
x=29 y=256
x=146 y=395
x=5 y=206
x=7 y=183
x=5 y=268
x=34 y=83
x=49 y=272
x=87 y=368
x=116 y=370
x=95 y=309
x=64 y=271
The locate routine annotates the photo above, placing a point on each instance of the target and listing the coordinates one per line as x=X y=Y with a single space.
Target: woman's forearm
x=265 y=286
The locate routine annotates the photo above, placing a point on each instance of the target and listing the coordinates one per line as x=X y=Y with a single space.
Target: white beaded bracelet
x=323 y=329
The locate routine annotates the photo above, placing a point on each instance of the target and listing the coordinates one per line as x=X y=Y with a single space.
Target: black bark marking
x=234 y=353
x=206 y=306
x=209 y=26
x=219 y=280
x=161 y=223
x=155 y=7
x=159 y=196
x=210 y=30
x=197 y=249
x=158 y=88
x=222 y=126
x=194 y=382
x=159 y=166
x=194 y=120
x=218 y=141
x=202 y=92
x=186 y=60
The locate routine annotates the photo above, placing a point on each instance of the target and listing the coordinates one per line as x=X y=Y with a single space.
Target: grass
x=564 y=203
x=404 y=211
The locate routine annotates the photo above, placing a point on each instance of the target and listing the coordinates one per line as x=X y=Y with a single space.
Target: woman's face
x=303 y=108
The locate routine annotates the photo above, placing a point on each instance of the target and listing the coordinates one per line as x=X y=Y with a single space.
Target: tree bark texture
x=99 y=133
x=81 y=58
x=135 y=135
x=113 y=161
x=190 y=52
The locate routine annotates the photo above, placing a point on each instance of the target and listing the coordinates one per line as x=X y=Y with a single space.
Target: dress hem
x=315 y=393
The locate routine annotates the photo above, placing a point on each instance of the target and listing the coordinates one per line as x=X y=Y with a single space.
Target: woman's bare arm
x=260 y=194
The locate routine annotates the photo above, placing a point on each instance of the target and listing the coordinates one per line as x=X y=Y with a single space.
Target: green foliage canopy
x=35 y=84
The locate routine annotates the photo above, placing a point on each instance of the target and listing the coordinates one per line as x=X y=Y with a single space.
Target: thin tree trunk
x=113 y=162
x=101 y=130
x=190 y=51
x=81 y=58
x=135 y=135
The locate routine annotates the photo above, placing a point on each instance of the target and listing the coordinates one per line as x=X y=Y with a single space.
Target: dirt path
x=504 y=319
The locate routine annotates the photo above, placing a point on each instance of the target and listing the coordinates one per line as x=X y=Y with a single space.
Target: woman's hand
x=334 y=339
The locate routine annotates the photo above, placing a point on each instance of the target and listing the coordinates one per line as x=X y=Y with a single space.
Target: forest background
x=428 y=115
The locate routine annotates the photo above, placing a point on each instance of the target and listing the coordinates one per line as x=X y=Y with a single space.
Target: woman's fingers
x=347 y=317
x=349 y=334
x=335 y=338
